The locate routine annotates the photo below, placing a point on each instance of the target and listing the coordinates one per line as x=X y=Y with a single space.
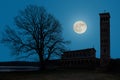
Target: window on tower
x=105 y=50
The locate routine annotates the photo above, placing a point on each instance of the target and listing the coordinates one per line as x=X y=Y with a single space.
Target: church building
x=86 y=58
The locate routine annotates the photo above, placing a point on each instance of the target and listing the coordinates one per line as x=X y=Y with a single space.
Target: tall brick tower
x=104 y=39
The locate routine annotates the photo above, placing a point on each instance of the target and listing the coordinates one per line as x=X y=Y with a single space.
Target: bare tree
x=36 y=32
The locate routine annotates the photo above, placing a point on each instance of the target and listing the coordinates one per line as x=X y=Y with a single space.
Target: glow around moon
x=80 y=27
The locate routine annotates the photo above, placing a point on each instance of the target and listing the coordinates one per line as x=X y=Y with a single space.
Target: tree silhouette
x=36 y=32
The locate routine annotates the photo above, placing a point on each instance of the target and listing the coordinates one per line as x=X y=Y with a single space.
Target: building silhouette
x=104 y=39
x=79 y=58
x=86 y=58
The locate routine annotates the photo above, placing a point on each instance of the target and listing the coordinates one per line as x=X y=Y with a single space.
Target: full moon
x=80 y=27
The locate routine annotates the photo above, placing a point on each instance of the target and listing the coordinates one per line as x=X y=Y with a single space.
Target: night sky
x=68 y=12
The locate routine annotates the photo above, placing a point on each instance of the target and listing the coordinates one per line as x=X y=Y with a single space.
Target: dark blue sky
x=67 y=12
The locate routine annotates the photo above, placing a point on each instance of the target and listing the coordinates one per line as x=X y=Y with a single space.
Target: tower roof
x=106 y=14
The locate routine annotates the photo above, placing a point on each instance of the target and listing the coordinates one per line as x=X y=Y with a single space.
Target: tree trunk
x=42 y=63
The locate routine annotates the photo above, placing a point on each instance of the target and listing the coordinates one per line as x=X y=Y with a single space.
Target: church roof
x=82 y=50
